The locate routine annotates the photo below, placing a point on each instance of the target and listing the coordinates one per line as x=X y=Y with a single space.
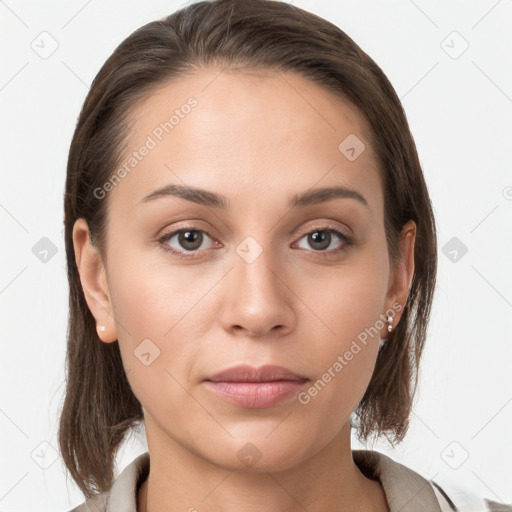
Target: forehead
x=246 y=133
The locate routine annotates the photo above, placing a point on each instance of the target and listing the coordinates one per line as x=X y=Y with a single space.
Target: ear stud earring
x=102 y=328
x=389 y=321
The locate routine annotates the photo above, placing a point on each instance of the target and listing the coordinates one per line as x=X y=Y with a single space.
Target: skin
x=257 y=138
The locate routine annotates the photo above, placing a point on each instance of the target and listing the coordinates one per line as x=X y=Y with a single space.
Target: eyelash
x=347 y=241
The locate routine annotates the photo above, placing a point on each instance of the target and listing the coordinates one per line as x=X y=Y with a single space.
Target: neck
x=328 y=481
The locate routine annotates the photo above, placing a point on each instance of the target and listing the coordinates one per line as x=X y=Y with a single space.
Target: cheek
x=155 y=342
x=152 y=298
x=160 y=314
x=347 y=313
x=347 y=302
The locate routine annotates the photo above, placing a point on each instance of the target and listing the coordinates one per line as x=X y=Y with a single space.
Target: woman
x=251 y=256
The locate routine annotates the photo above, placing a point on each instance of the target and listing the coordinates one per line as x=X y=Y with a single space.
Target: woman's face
x=257 y=278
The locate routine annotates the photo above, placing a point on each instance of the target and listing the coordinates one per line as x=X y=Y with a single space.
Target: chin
x=255 y=454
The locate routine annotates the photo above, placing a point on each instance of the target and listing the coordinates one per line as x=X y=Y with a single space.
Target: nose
x=259 y=300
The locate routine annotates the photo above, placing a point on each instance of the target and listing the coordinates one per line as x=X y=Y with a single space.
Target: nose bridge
x=258 y=300
x=255 y=266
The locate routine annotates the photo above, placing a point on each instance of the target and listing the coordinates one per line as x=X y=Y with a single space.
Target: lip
x=248 y=373
x=255 y=388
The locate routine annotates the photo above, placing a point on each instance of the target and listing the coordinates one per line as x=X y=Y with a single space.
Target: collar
x=406 y=490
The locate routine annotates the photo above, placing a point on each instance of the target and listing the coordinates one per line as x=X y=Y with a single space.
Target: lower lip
x=255 y=395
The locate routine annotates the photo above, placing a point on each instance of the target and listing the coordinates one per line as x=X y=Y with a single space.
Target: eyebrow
x=214 y=200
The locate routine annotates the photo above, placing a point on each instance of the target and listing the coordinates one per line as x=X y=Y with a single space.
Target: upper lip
x=247 y=373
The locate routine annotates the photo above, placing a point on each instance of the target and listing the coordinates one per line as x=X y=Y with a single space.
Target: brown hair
x=99 y=406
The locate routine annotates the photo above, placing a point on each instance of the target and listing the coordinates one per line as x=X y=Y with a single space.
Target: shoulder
x=406 y=490
x=97 y=503
x=122 y=495
x=455 y=497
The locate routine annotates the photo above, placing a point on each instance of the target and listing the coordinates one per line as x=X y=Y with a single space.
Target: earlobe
x=92 y=274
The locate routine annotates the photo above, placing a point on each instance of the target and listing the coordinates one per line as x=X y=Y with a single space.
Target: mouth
x=255 y=388
x=247 y=373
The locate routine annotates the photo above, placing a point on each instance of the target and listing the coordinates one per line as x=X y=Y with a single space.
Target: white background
x=460 y=112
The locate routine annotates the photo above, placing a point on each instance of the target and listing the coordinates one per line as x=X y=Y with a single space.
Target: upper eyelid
x=324 y=227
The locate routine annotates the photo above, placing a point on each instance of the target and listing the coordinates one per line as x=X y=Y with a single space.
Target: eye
x=323 y=238
x=187 y=241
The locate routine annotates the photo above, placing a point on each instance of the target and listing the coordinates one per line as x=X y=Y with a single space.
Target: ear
x=402 y=274
x=94 y=283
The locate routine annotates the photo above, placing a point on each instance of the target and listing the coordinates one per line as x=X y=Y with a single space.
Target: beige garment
x=406 y=490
